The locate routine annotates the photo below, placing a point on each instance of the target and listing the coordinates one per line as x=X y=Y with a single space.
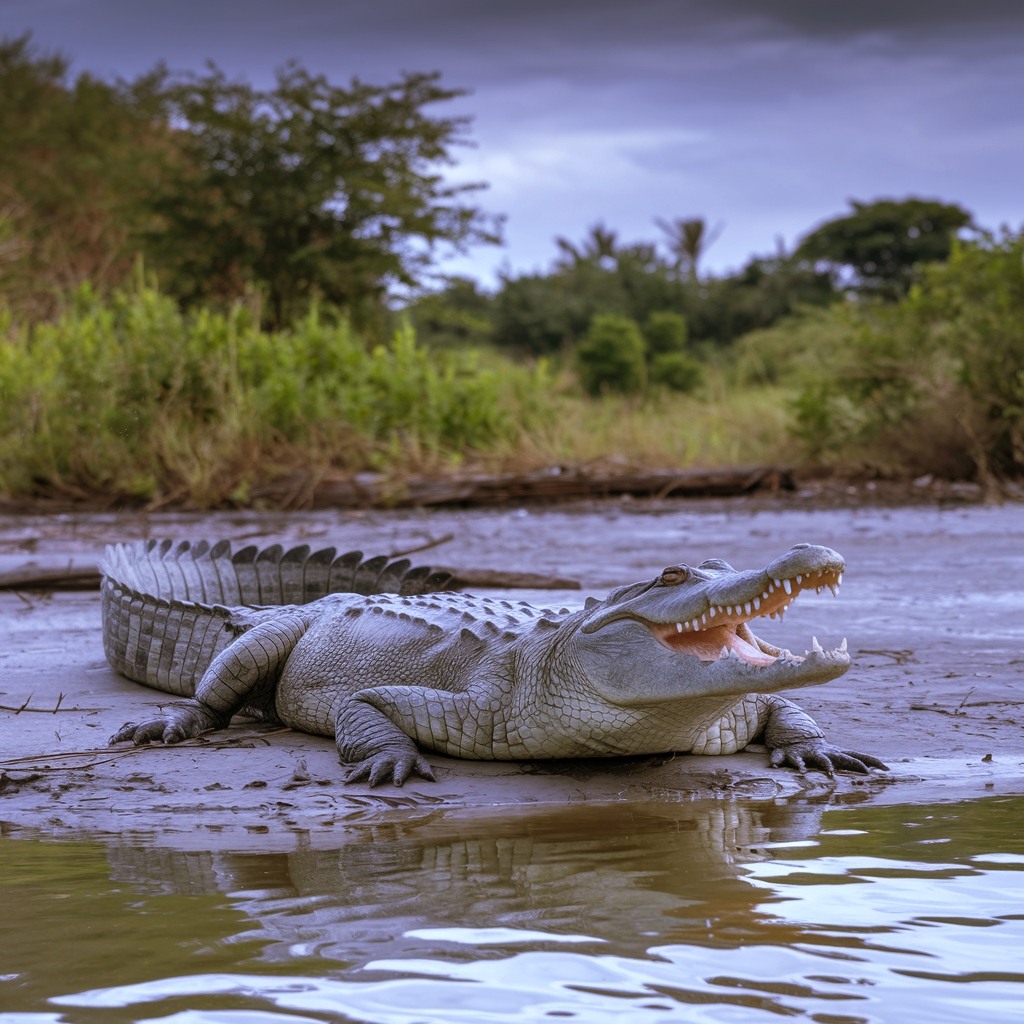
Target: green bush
x=130 y=396
x=677 y=370
x=612 y=355
x=935 y=381
x=665 y=332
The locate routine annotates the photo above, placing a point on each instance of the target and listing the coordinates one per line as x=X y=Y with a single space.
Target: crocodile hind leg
x=375 y=731
x=793 y=738
x=249 y=666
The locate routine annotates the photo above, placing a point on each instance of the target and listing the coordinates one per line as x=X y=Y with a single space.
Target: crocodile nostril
x=799 y=547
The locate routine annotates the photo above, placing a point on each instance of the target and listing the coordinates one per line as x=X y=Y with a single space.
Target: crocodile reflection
x=631 y=875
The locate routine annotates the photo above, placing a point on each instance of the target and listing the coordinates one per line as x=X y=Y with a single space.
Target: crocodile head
x=687 y=633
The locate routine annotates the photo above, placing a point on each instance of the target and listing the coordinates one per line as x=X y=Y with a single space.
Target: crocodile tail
x=197 y=572
x=166 y=644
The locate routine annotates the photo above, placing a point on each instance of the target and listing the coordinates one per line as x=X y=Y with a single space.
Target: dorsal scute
x=210 y=573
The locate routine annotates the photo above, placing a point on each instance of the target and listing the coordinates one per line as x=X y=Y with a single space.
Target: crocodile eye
x=674 y=575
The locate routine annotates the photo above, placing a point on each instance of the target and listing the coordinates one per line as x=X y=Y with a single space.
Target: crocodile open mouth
x=721 y=630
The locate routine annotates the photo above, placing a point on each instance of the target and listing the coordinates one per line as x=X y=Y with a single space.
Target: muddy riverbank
x=932 y=606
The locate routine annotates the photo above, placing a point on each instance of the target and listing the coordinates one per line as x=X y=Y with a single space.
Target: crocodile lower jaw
x=732 y=641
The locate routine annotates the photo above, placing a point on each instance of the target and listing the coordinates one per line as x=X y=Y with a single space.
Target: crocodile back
x=170 y=607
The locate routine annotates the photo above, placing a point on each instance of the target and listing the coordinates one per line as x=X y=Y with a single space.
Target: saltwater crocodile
x=668 y=664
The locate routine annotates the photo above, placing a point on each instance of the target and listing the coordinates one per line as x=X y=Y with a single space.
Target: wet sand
x=932 y=606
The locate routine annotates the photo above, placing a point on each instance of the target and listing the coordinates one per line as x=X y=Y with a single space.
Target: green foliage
x=885 y=241
x=612 y=356
x=304 y=192
x=935 y=380
x=76 y=162
x=677 y=371
x=458 y=316
x=308 y=189
x=548 y=313
x=132 y=397
x=665 y=332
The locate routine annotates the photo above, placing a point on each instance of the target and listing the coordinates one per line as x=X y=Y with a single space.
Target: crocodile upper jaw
x=723 y=628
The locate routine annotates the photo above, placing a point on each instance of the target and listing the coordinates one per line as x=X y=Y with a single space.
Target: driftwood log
x=370 y=489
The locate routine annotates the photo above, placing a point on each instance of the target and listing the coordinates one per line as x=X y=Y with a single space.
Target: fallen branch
x=374 y=490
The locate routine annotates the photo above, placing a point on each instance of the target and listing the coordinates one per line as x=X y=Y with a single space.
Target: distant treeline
x=877 y=250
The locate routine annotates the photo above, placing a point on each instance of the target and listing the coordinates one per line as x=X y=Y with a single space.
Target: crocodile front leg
x=795 y=740
x=252 y=662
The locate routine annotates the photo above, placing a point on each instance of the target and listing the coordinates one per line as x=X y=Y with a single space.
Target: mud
x=932 y=606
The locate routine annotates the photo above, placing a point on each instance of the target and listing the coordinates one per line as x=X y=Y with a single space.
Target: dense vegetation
x=305 y=192
x=204 y=286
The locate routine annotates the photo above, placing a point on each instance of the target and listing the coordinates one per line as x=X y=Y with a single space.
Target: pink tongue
x=749 y=652
x=707 y=645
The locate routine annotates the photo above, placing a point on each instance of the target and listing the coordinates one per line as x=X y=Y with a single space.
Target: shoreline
x=935 y=690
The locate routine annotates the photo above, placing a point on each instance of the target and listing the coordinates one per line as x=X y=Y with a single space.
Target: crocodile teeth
x=787 y=586
x=679 y=627
x=839 y=580
x=799 y=578
x=704 y=620
x=778 y=583
x=711 y=611
x=842 y=646
x=815 y=646
x=746 y=608
x=696 y=624
x=771 y=589
x=833 y=588
x=724 y=652
x=757 y=603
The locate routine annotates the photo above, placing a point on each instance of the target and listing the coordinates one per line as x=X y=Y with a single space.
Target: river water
x=704 y=911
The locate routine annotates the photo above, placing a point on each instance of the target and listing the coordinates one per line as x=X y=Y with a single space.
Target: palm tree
x=600 y=246
x=688 y=240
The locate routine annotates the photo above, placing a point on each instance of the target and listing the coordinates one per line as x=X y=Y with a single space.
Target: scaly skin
x=663 y=665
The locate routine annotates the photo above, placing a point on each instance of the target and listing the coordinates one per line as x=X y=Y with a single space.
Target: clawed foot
x=178 y=722
x=390 y=767
x=816 y=753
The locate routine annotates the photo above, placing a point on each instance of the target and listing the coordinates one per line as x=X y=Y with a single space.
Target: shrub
x=665 y=332
x=132 y=397
x=612 y=355
x=935 y=380
x=677 y=370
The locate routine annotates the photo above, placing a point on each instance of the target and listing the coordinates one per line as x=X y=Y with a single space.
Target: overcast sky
x=765 y=115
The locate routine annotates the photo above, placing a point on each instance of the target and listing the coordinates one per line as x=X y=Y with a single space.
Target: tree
x=612 y=356
x=688 y=240
x=309 y=189
x=599 y=247
x=76 y=161
x=883 y=243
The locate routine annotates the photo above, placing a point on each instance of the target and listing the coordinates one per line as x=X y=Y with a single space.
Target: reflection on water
x=699 y=912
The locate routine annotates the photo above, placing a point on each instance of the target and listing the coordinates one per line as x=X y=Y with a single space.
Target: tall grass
x=128 y=397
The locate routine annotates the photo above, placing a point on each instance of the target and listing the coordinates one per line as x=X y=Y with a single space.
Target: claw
x=393 y=768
